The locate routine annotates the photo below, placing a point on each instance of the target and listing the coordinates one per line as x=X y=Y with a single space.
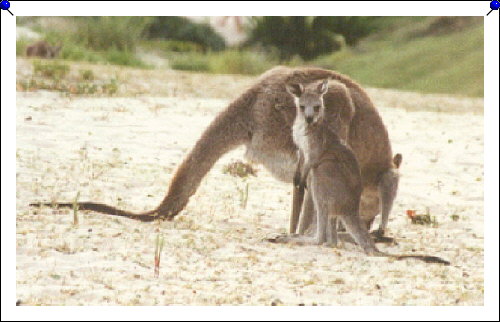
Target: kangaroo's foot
x=280 y=238
x=294 y=239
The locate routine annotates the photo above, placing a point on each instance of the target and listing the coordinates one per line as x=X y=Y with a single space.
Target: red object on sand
x=410 y=213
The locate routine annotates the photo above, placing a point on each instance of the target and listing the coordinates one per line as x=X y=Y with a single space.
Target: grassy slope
x=450 y=63
x=391 y=58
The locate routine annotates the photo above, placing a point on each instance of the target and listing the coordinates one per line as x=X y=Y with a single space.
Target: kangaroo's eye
x=302 y=107
x=316 y=108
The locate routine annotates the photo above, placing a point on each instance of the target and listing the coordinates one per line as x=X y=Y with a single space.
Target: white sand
x=123 y=151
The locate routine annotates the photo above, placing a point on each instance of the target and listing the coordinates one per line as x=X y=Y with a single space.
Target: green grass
x=110 y=40
x=451 y=63
x=167 y=46
x=240 y=62
x=189 y=61
x=55 y=75
x=21 y=45
x=74 y=51
x=407 y=53
x=51 y=69
x=226 y=62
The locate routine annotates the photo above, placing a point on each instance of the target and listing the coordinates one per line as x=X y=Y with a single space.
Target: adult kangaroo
x=332 y=173
x=261 y=119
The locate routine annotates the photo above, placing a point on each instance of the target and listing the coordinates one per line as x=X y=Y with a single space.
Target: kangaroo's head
x=309 y=100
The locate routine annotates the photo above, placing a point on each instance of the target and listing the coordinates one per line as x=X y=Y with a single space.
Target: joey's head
x=309 y=100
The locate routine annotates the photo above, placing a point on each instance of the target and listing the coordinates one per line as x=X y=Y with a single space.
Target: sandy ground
x=123 y=151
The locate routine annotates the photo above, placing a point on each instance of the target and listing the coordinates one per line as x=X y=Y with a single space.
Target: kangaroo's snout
x=309 y=119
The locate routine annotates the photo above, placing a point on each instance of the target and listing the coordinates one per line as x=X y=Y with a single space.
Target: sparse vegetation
x=95 y=39
x=70 y=88
x=189 y=62
x=87 y=75
x=50 y=69
x=242 y=170
x=422 y=219
x=158 y=249
x=227 y=62
x=54 y=75
x=401 y=52
x=244 y=195
x=239 y=169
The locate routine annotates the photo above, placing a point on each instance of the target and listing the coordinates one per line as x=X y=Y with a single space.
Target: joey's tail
x=104 y=209
x=363 y=239
x=359 y=233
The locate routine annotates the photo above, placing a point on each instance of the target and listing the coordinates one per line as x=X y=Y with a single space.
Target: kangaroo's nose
x=309 y=119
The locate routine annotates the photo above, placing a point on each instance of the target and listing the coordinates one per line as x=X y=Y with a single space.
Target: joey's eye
x=302 y=107
x=316 y=108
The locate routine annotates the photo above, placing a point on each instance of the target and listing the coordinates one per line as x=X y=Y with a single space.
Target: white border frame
x=257 y=8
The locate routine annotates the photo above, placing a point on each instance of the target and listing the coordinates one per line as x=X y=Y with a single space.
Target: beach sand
x=124 y=150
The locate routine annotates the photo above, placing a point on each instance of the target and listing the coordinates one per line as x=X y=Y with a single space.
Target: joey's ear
x=323 y=87
x=295 y=89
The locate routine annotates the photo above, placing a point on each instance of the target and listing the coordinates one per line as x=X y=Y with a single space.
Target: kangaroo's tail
x=104 y=209
x=424 y=258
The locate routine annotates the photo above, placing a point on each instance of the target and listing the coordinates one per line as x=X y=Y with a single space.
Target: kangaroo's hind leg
x=322 y=223
x=308 y=214
x=331 y=231
x=354 y=226
x=321 y=205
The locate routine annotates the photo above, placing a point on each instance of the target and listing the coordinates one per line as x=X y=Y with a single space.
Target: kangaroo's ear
x=323 y=87
x=295 y=89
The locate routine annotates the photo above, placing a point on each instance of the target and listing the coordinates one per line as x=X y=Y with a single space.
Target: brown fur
x=332 y=173
x=261 y=119
x=43 y=49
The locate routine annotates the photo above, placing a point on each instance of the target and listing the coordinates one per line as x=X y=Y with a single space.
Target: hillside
x=442 y=55
x=418 y=54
